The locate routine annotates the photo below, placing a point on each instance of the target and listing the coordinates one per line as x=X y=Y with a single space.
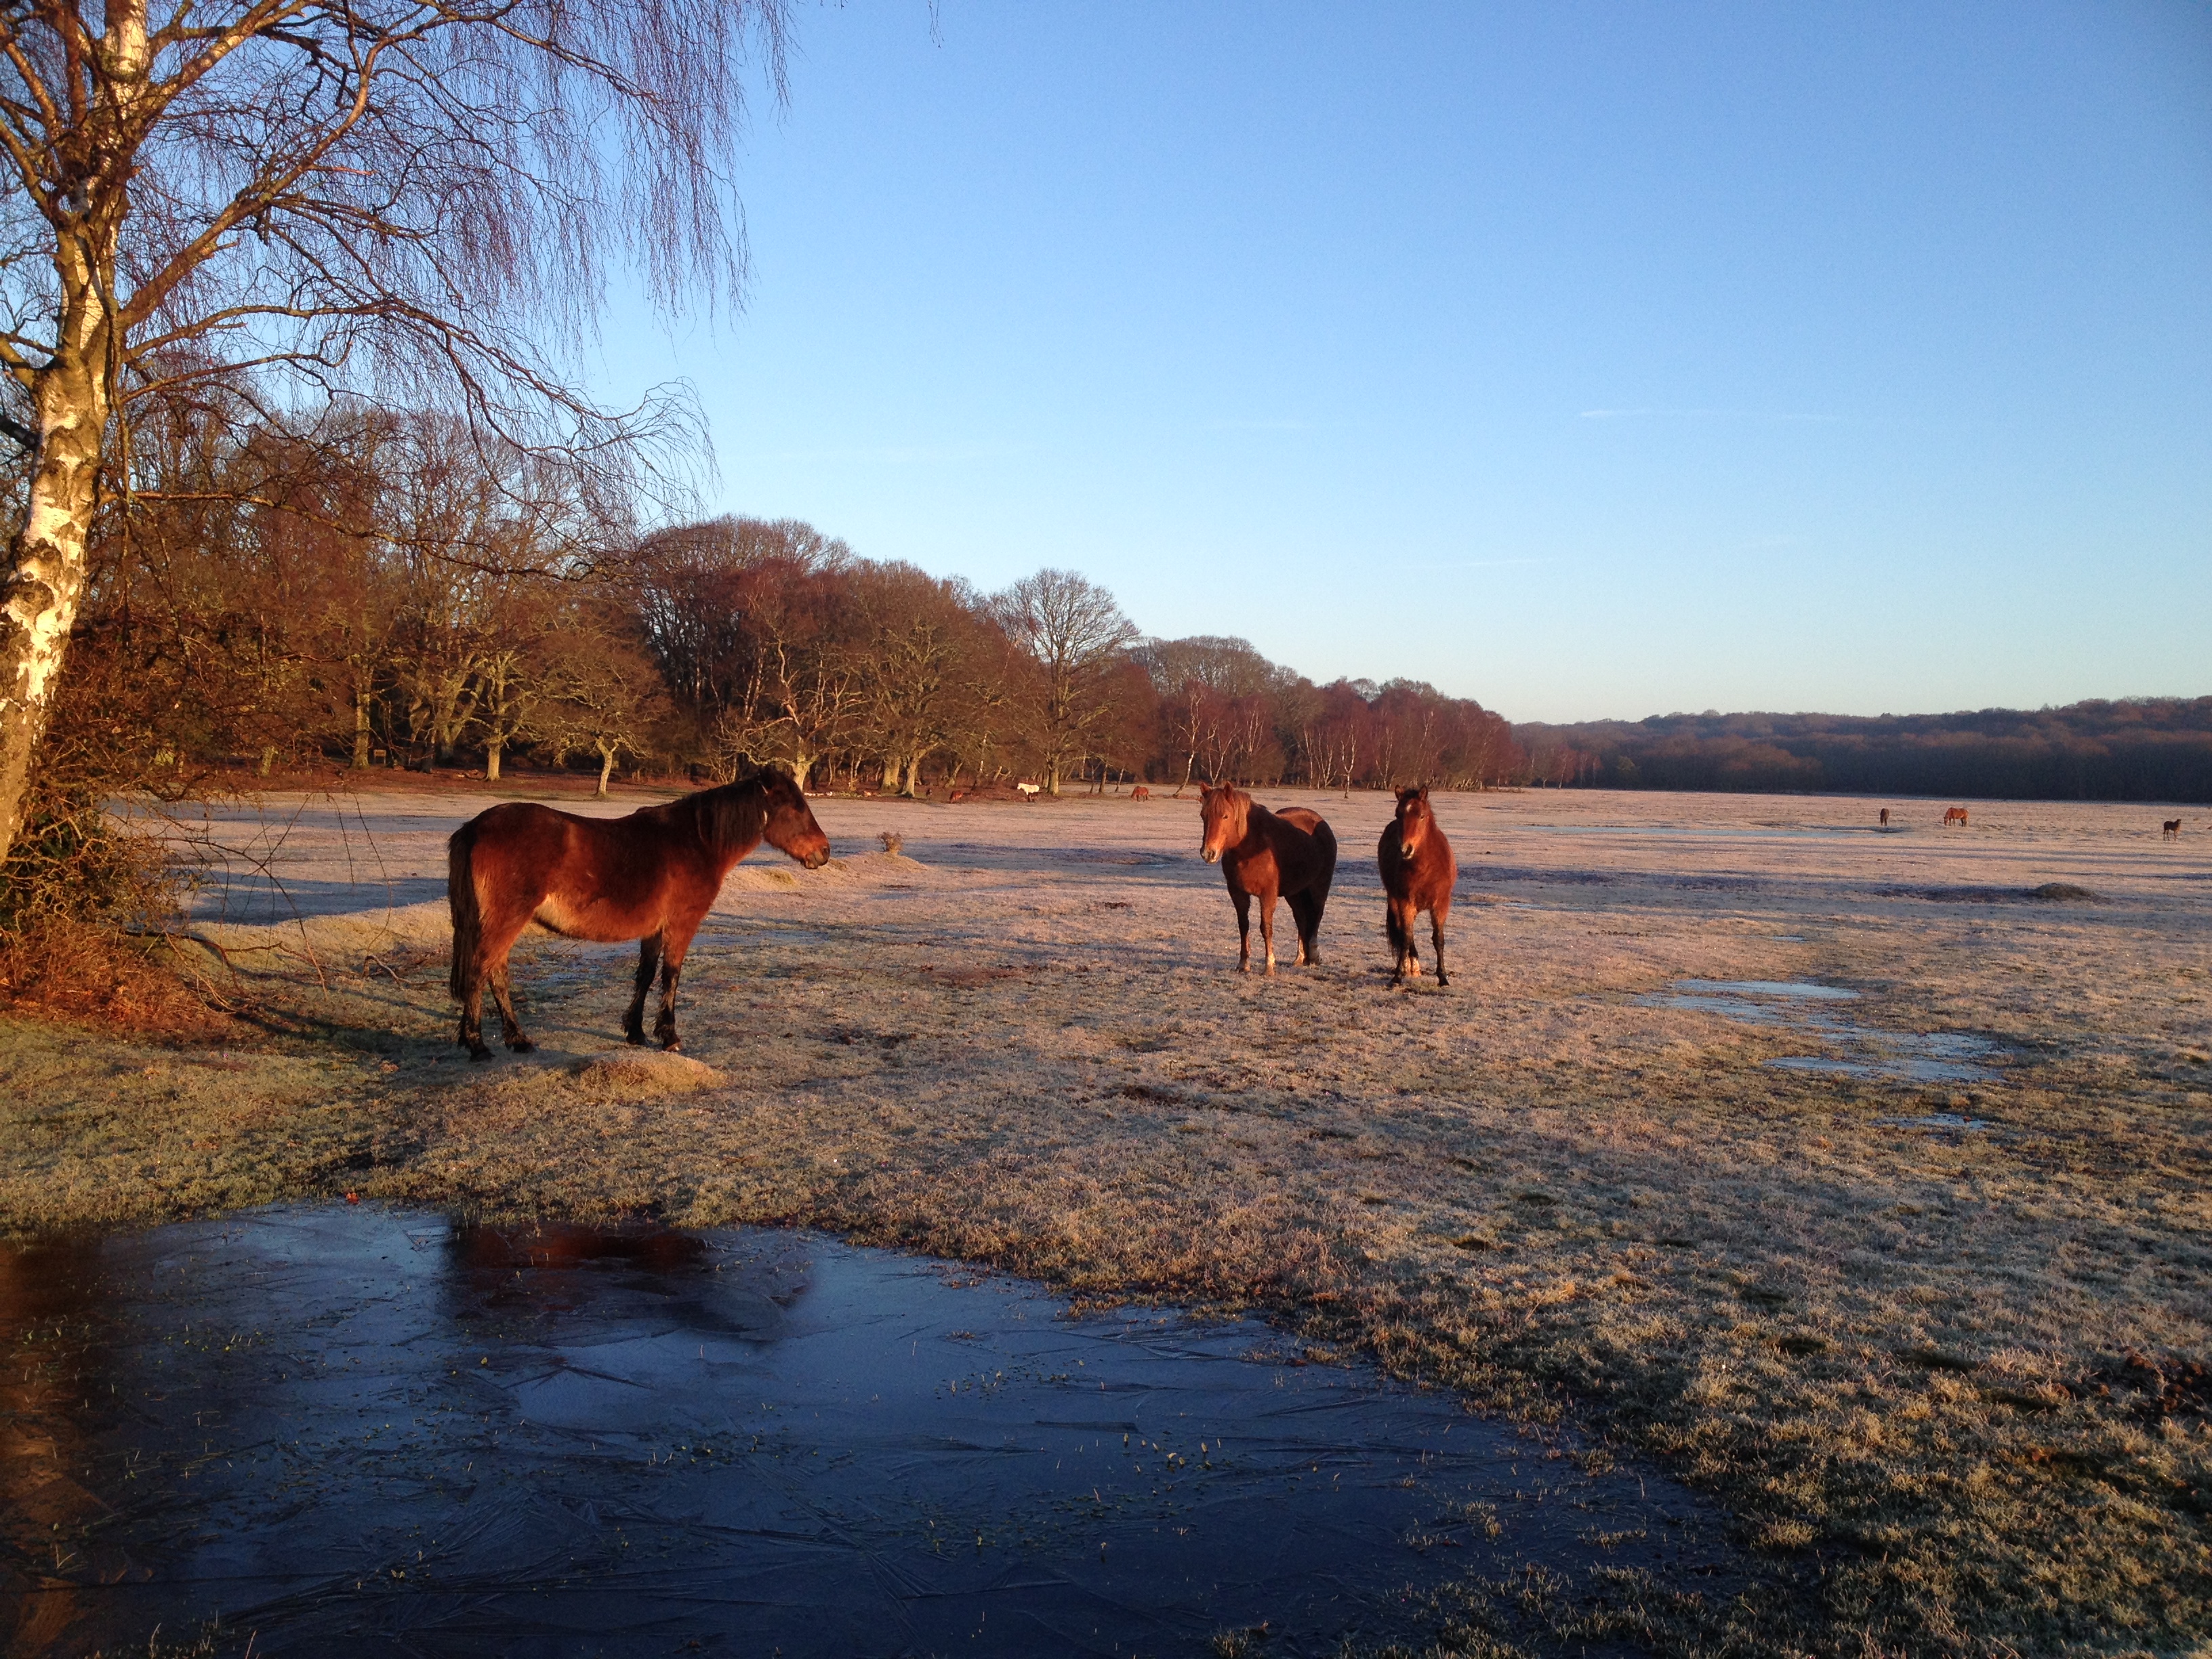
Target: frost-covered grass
x=1944 y=1376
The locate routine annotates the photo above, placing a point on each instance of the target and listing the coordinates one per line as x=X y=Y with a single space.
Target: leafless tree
x=600 y=695
x=403 y=197
x=1075 y=633
x=920 y=653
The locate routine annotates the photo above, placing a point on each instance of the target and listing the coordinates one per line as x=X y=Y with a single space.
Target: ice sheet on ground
x=1928 y=1057
x=350 y=1429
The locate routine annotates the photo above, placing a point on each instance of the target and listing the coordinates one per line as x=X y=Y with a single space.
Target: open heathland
x=1914 y=1279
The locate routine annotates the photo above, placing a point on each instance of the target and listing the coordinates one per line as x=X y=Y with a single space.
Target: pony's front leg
x=1409 y=954
x=648 y=964
x=663 y=1027
x=1243 y=902
x=1436 y=933
x=1267 y=927
x=671 y=970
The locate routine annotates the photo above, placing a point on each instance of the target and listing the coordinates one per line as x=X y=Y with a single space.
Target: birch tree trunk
x=46 y=582
x=72 y=397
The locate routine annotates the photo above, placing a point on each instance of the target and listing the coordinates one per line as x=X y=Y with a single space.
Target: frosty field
x=1925 y=1304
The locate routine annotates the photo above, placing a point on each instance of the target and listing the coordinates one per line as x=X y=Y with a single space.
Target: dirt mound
x=643 y=1071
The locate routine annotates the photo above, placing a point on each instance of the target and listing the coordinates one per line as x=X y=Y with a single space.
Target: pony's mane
x=733 y=814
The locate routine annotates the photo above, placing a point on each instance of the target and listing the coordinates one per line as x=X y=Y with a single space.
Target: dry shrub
x=84 y=898
x=64 y=967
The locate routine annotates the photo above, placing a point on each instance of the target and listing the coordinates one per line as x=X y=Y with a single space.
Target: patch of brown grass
x=80 y=973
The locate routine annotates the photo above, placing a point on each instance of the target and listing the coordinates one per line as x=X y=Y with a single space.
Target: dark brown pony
x=1419 y=873
x=1264 y=855
x=2172 y=827
x=650 y=876
x=1884 y=817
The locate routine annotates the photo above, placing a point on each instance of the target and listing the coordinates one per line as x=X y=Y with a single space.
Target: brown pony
x=1884 y=817
x=2172 y=827
x=1419 y=873
x=1290 y=855
x=650 y=876
x=1955 y=815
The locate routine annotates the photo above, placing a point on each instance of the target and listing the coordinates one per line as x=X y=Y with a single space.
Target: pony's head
x=787 y=823
x=1415 y=820
x=1221 y=814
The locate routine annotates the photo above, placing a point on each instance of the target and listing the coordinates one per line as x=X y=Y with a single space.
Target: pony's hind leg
x=470 y=1036
x=510 y=1027
x=648 y=964
x=1305 y=912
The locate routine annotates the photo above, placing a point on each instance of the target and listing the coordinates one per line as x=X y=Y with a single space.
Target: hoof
x=479 y=1052
x=635 y=1039
x=670 y=1045
x=521 y=1046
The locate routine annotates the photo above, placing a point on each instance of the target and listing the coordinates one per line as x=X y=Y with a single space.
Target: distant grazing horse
x=1419 y=873
x=1884 y=817
x=650 y=876
x=1028 y=791
x=1140 y=793
x=1956 y=815
x=2172 y=827
x=1264 y=855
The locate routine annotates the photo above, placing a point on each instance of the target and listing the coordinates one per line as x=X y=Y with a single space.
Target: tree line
x=381 y=590
x=2129 y=749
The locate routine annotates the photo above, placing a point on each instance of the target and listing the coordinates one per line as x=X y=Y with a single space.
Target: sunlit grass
x=1943 y=1377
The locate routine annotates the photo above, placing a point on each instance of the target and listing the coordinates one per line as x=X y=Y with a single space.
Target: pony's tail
x=461 y=896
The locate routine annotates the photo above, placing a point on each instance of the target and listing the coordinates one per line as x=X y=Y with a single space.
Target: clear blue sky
x=1589 y=360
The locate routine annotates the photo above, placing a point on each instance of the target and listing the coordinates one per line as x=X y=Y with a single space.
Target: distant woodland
x=389 y=591
x=380 y=590
x=2137 y=748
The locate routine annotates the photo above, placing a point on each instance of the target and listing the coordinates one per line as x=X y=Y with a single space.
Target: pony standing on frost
x=1418 y=873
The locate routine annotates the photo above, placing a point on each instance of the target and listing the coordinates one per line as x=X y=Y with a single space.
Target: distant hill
x=2136 y=748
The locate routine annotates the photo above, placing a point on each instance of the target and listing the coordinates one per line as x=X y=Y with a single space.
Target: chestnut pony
x=1264 y=855
x=1418 y=872
x=650 y=876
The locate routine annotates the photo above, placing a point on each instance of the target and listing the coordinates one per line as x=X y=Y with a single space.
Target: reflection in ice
x=344 y=1428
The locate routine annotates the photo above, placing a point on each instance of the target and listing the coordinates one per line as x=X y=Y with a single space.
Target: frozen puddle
x=1799 y=1006
x=355 y=1429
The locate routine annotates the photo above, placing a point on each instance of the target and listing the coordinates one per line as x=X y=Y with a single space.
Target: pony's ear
x=772 y=772
x=1425 y=792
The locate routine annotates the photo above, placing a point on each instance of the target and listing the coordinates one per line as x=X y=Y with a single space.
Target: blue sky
x=1588 y=360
